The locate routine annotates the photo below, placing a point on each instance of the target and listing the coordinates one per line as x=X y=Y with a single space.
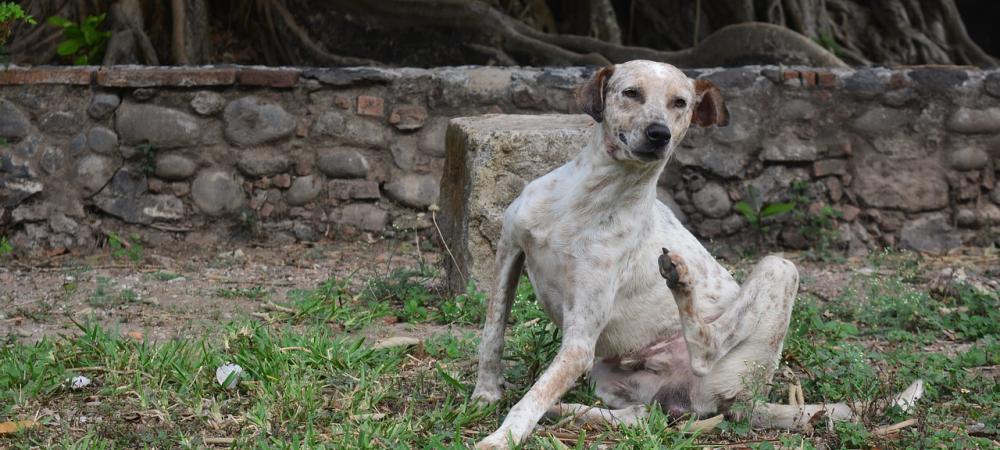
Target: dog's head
x=645 y=108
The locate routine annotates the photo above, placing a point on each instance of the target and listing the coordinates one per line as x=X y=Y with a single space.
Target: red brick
x=791 y=77
x=371 y=106
x=266 y=76
x=46 y=75
x=138 y=76
x=826 y=79
x=809 y=79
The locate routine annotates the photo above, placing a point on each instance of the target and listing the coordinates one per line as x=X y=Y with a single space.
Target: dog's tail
x=795 y=417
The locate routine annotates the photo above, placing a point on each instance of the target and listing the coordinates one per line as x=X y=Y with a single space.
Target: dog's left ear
x=711 y=108
x=590 y=96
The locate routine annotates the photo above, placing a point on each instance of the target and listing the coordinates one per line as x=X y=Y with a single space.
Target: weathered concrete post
x=488 y=161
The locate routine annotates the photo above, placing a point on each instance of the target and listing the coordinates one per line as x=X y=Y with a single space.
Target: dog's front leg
x=489 y=381
x=583 y=321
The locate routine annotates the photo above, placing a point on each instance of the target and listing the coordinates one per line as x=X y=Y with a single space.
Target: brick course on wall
x=909 y=155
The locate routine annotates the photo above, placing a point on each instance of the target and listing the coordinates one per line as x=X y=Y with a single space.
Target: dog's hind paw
x=674 y=270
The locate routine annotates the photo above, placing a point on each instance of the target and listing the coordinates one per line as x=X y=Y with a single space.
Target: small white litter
x=79 y=382
x=222 y=374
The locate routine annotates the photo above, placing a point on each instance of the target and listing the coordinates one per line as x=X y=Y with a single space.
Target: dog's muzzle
x=657 y=137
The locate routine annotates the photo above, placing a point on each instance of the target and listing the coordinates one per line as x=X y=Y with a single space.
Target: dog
x=642 y=305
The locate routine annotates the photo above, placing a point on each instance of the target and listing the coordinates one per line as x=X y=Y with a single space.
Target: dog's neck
x=604 y=183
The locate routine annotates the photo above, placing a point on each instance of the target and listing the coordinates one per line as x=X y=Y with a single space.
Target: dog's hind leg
x=756 y=320
x=509 y=263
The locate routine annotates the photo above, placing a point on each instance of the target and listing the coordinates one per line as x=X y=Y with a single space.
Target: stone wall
x=908 y=155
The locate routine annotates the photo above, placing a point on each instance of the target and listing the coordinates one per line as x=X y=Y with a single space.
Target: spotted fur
x=590 y=234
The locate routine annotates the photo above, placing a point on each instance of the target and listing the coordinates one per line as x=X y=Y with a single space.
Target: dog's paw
x=486 y=396
x=500 y=439
x=674 y=270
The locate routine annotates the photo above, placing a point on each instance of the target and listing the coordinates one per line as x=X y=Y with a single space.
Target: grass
x=309 y=382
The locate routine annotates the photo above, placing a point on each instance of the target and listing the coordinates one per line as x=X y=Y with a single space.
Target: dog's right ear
x=590 y=96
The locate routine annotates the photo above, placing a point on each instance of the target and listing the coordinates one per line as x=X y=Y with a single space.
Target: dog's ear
x=590 y=96
x=710 y=108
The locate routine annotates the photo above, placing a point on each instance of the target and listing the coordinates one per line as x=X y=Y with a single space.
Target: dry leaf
x=14 y=427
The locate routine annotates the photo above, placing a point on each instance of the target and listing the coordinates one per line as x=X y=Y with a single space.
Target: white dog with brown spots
x=590 y=234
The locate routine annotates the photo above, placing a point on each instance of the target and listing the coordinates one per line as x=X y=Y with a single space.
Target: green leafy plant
x=817 y=224
x=10 y=14
x=148 y=151
x=757 y=212
x=131 y=248
x=5 y=246
x=83 y=41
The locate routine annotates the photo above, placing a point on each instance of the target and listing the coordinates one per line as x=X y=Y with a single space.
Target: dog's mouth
x=644 y=150
x=649 y=151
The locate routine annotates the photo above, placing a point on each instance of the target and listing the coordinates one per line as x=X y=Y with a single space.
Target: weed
x=816 y=223
x=247 y=225
x=121 y=248
x=251 y=293
x=147 y=151
x=6 y=247
x=758 y=213
x=83 y=41
x=102 y=295
x=165 y=276
x=129 y=296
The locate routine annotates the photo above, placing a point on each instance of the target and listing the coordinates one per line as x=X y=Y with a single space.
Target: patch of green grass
x=869 y=343
x=250 y=293
x=6 y=247
x=121 y=248
x=161 y=275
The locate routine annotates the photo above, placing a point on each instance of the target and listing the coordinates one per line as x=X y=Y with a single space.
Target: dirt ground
x=166 y=293
x=172 y=293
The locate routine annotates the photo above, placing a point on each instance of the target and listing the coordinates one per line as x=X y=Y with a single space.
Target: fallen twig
x=894 y=428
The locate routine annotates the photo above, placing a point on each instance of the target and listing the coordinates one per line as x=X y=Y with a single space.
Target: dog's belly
x=644 y=311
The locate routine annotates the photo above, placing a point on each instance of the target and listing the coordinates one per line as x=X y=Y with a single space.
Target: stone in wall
x=260 y=163
x=216 y=192
x=162 y=127
x=13 y=124
x=101 y=105
x=255 y=121
x=126 y=198
x=906 y=185
x=413 y=190
x=930 y=234
x=342 y=162
x=174 y=167
x=304 y=190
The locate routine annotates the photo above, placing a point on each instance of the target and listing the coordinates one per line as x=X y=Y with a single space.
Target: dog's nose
x=658 y=133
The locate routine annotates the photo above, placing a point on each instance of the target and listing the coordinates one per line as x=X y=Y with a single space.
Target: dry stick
x=434 y=209
x=890 y=429
x=218 y=441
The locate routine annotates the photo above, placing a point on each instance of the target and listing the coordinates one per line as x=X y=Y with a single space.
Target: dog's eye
x=631 y=92
x=680 y=103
